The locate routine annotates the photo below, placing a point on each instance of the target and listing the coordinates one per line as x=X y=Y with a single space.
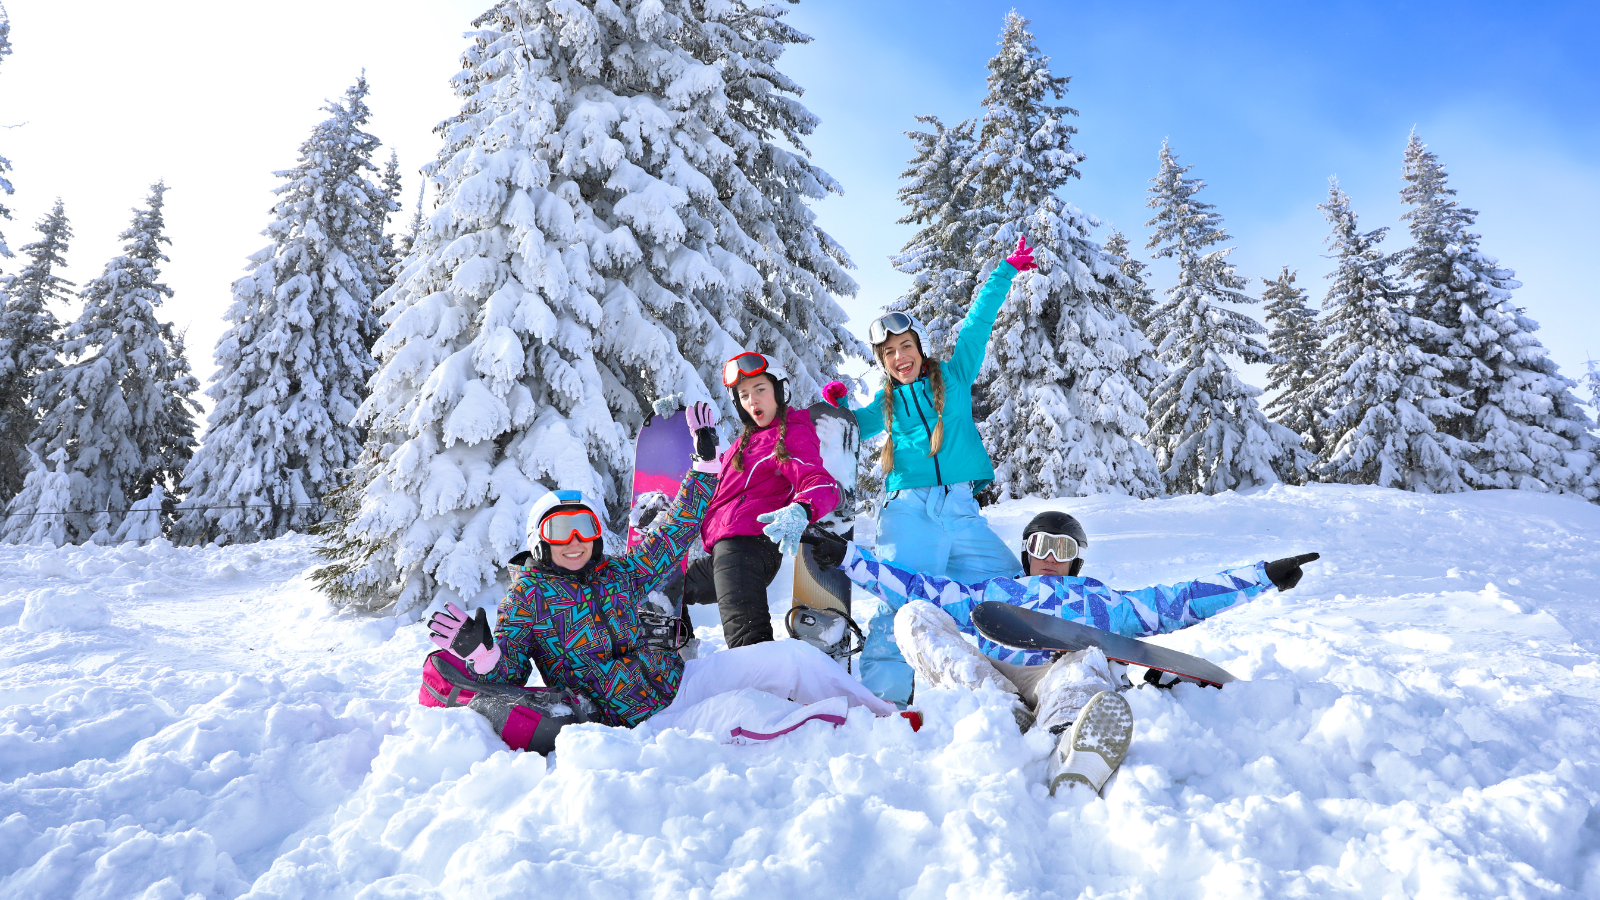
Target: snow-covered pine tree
x=144 y=519
x=1591 y=382
x=28 y=332
x=1067 y=372
x=1520 y=421
x=293 y=366
x=38 y=514
x=1208 y=432
x=1296 y=340
x=122 y=408
x=389 y=253
x=1382 y=389
x=5 y=164
x=1132 y=297
x=622 y=206
x=939 y=255
x=407 y=239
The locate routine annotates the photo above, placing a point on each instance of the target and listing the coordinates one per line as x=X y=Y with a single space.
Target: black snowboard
x=1028 y=629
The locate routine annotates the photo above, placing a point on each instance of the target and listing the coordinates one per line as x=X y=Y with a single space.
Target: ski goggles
x=566 y=526
x=1041 y=545
x=743 y=366
x=887 y=324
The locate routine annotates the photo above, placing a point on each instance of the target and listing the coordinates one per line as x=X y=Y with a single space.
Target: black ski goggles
x=1062 y=547
x=887 y=324
x=743 y=366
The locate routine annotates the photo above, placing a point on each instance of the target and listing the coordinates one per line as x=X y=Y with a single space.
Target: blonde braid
x=886 y=461
x=936 y=387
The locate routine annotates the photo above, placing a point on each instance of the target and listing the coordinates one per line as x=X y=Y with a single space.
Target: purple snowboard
x=662 y=454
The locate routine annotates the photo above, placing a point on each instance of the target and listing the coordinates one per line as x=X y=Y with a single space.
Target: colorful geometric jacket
x=1147 y=611
x=582 y=628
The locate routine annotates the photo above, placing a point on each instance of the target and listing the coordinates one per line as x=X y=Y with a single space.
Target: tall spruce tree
x=5 y=164
x=1519 y=419
x=1296 y=340
x=122 y=407
x=622 y=207
x=1067 y=372
x=1208 y=432
x=28 y=332
x=1591 y=382
x=1383 y=389
x=938 y=256
x=293 y=366
x=1133 y=297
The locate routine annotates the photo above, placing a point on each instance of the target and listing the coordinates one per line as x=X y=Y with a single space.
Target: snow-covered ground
x=1420 y=718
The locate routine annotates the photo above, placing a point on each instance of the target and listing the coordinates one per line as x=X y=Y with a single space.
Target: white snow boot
x=1067 y=686
x=932 y=643
x=1094 y=746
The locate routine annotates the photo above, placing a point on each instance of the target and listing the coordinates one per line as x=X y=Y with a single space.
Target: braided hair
x=935 y=374
x=781 y=417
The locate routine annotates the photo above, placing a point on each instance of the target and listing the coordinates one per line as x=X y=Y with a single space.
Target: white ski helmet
x=554 y=501
x=751 y=363
x=893 y=323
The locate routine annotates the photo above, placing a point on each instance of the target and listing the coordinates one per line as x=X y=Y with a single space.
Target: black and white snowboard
x=820 y=615
x=1028 y=629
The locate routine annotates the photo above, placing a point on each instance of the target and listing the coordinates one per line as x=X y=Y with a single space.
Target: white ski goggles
x=564 y=527
x=885 y=325
x=1042 y=545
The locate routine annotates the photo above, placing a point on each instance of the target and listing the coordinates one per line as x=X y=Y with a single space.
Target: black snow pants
x=735 y=577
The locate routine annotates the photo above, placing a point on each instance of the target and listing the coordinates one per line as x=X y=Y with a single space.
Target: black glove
x=1285 y=573
x=827 y=548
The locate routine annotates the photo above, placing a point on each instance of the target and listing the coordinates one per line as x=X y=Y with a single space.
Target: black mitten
x=827 y=548
x=1285 y=573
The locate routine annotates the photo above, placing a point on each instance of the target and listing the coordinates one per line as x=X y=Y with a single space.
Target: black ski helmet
x=1055 y=522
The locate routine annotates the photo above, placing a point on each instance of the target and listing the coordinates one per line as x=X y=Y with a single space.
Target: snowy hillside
x=1421 y=717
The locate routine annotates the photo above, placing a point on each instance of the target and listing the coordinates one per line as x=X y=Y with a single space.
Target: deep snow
x=1418 y=718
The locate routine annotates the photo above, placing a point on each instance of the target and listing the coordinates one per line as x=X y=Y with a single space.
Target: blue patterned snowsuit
x=1147 y=611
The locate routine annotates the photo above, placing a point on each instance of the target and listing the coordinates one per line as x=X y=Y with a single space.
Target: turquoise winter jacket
x=961 y=456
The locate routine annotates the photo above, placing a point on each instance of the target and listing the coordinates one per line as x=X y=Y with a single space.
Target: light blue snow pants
x=935 y=531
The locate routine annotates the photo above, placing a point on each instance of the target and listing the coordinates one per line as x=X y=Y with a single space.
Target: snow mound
x=72 y=608
x=1421 y=717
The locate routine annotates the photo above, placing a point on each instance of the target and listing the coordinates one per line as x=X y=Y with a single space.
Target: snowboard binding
x=829 y=630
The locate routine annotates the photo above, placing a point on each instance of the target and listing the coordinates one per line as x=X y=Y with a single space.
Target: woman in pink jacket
x=773 y=484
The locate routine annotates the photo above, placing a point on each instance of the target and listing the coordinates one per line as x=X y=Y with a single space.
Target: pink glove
x=468 y=638
x=834 y=392
x=1023 y=258
x=703 y=431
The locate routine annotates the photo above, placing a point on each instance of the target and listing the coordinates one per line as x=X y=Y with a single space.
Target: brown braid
x=781 y=417
x=935 y=387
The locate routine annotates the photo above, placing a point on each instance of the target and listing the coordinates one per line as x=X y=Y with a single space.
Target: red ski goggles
x=1064 y=547
x=563 y=527
x=743 y=366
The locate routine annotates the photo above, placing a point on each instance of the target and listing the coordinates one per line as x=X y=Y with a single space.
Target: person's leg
x=742 y=568
x=1026 y=678
x=976 y=552
x=1068 y=685
x=941 y=657
x=1094 y=746
x=912 y=540
x=793 y=670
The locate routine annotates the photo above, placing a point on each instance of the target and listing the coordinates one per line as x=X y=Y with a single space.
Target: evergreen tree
x=1295 y=339
x=292 y=368
x=122 y=408
x=616 y=218
x=1520 y=423
x=1382 y=388
x=38 y=514
x=408 y=238
x=389 y=253
x=5 y=164
x=1067 y=372
x=1591 y=381
x=28 y=332
x=1208 y=432
x=1133 y=297
x=938 y=256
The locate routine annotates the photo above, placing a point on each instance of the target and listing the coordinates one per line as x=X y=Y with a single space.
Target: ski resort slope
x=1420 y=718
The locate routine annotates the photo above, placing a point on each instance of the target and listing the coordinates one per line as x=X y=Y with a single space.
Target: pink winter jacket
x=766 y=484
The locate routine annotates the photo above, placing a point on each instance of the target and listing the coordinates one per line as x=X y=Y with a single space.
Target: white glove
x=786 y=526
x=667 y=405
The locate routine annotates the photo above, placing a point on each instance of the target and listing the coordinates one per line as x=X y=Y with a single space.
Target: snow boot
x=939 y=654
x=1095 y=746
x=1066 y=687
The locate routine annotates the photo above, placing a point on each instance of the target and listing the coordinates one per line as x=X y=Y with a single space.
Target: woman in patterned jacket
x=578 y=616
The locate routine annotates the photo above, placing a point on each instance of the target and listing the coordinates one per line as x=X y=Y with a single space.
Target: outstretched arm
x=973 y=343
x=895 y=585
x=664 y=543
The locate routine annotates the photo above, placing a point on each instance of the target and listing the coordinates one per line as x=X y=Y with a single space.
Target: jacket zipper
x=937 y=476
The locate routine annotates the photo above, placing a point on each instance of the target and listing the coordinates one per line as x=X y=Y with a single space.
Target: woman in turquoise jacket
x=934 y=461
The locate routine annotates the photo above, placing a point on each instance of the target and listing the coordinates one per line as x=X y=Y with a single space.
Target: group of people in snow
x=604 y=655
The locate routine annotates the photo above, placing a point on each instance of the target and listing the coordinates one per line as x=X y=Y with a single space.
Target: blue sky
x=1266 y=101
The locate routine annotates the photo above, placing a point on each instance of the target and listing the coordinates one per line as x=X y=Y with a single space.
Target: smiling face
x=757 y=397
x=572 y=556
x=901 y=357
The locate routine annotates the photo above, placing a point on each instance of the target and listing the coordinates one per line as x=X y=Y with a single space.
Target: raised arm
x=663 y=544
